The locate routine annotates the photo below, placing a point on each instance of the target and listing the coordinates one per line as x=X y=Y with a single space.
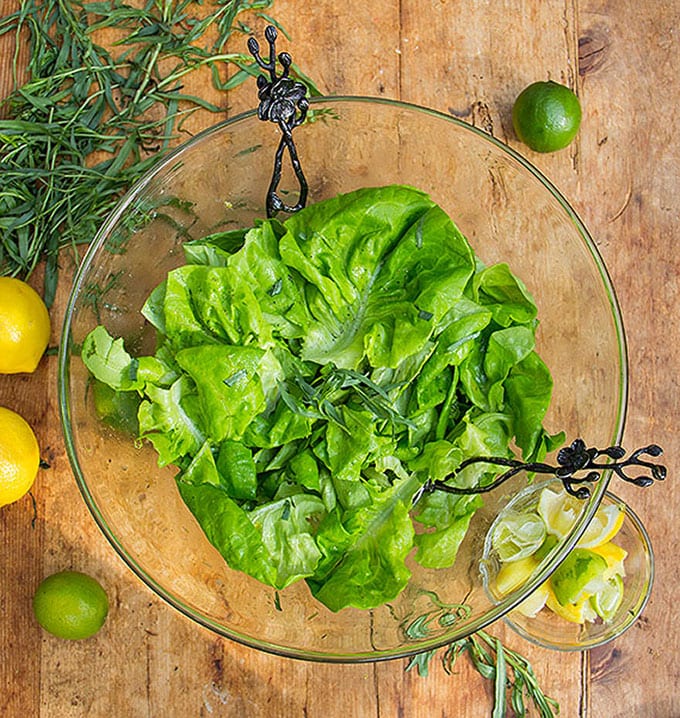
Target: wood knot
x=606 y=663
x=593 y=48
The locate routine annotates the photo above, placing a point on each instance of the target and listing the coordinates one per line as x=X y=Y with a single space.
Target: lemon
x=546 y=116
x=512 y=575
x=24 y=327
x=534 y=602
x=19 y=456
x=573 y=612
x=518 y=535
x=614 y=555
x=578 y=576
x=71 y=605
x=559 y=510
x=604 y=526
x=607 y=600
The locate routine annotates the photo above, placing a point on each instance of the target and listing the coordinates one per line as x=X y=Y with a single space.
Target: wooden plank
x=630 y=64
x=22 y=533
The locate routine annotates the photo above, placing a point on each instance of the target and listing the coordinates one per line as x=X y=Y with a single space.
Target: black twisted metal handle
x=283 y=100
x=572 y=460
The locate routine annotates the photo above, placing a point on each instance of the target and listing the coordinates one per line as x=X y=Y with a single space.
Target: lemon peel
x=19 y=456
x=24 y=327
x=573 y=612
x=559 y=511
x=615 y=556
x=512 y=575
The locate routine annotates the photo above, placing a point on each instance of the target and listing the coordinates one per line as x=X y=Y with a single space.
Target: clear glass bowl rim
x=496 y=612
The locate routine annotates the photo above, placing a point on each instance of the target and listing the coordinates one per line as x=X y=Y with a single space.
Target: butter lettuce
x=311 y=375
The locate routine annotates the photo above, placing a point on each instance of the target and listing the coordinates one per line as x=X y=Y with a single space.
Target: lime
x=19 y=456
x=607 y=600
x=579 y=575
x=546 y=116
x=518 y=535
x=24 y=327
x=71 y=605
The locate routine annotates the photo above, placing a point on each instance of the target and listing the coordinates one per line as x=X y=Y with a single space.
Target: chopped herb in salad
x=311 y=375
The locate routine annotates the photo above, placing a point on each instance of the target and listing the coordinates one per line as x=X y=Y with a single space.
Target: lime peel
x=71 y=605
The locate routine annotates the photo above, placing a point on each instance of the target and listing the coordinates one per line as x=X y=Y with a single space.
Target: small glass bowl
x=549 y=630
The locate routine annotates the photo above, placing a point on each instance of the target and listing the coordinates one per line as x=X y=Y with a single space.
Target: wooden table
x=470 y=58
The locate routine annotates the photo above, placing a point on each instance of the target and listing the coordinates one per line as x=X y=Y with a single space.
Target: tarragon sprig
x=510 y=671
x=85 y=121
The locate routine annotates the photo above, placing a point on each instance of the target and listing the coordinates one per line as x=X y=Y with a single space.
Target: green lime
x=117 y=408
x=578 y=575
x=71 y=605
x=546 y=116
x=546 y=547
x=518 y=535
x=607 y=600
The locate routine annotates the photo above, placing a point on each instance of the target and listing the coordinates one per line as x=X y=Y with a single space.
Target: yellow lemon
x=614 y=555
x=573 y=612
x=560 y=511
x=534 y=602
x=512 y=575
x=24 y=327
x=605 y=525
x=19 y=456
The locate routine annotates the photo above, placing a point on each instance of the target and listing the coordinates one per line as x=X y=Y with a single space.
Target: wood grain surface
x=469 y=58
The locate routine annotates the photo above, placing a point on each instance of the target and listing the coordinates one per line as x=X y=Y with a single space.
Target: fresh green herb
x=305 y=421
x=500 y=682
x=84 y=122
x=508 y=669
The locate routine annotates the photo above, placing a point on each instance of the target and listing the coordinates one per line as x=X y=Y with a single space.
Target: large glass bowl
x=508 y=211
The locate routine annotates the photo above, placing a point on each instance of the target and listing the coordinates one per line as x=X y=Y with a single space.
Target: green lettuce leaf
x=377 y=539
